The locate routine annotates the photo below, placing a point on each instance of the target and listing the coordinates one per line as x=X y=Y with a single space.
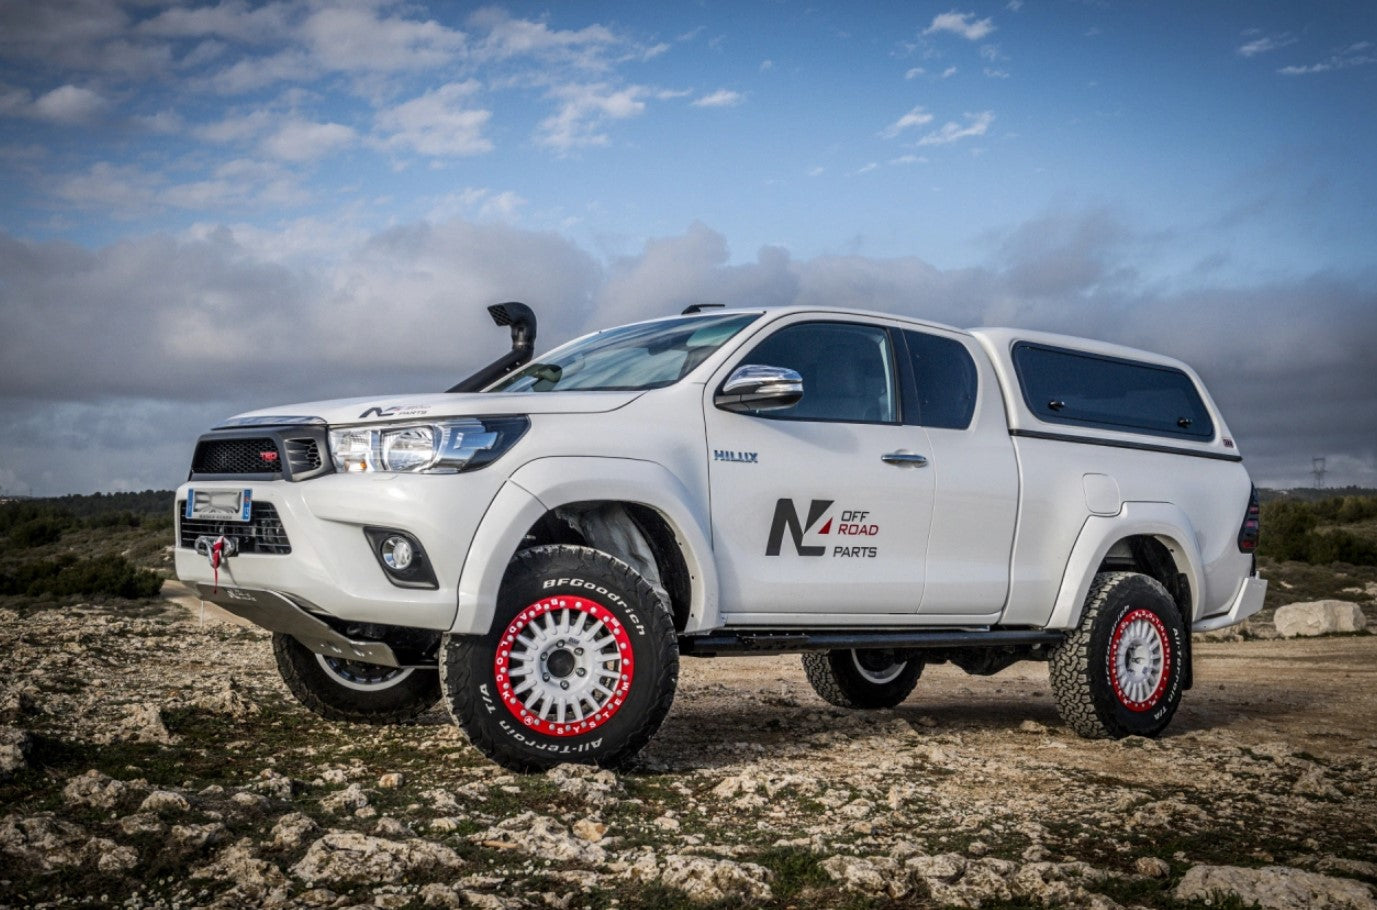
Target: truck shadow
x=767 y=727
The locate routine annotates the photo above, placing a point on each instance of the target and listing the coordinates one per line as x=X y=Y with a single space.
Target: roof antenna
x=699 y=307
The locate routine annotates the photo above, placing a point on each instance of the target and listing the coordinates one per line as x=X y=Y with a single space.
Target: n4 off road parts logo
x=856 y=526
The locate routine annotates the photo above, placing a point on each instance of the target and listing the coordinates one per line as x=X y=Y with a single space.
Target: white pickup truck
x=538 y=546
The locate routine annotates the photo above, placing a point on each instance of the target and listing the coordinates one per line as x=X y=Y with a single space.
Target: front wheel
x=1120 y=673
x=580 y=664
x=353 y=691
x=876 y=678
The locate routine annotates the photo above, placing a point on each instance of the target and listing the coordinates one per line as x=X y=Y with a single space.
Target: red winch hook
x=217 y=552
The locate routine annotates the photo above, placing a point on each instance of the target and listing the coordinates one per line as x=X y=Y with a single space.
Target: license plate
x=219 y=505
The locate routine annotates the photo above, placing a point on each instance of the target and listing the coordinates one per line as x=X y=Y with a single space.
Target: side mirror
x=753 y=387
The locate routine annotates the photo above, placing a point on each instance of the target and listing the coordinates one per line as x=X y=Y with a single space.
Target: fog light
x=402 y=558
x=396 y=553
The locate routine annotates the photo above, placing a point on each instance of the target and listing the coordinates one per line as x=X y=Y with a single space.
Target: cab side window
x=847 y=371
x=945 y=377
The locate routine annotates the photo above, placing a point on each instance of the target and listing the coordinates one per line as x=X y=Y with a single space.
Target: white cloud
x=304 y=140
x=1360 y=54
x=996 y=74
x=720 y=98
x=356 y=38
x=915 y=117
x=1266 y=44
x=175 y=296
x=908 y=159
x=976 y=125
x=440 y=123
x=583 y=110
x=864 y=169
x=914 y=73
x=70 y=105
x=236 y=127
x=766 y=65
x=963 y=24
x=508 y=37
x=949 y=72
x=232 y=19
x=1014 y=6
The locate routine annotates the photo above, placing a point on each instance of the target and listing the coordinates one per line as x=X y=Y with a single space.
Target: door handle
x=918 y=461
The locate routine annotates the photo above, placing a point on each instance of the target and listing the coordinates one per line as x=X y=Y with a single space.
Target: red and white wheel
x=564 y=666
x=580 y=665
x=1140 y=661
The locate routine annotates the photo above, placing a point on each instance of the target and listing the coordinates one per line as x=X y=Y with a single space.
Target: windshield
x=648 y=355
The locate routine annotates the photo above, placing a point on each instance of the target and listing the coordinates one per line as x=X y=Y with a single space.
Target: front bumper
x=331 y=567
x=1246 y=602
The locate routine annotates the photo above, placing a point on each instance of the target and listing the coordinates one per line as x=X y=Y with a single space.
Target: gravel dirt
x=149 y=757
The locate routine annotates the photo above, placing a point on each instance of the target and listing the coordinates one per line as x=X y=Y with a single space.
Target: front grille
x=262 y=533
x=237 y=456
x=303 y=455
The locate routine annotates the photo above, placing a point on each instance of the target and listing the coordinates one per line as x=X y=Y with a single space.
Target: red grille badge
x=268 y=456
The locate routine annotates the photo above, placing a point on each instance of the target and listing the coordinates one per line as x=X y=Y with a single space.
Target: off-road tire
x=391 y=701
x=569 y=620
x=1121 y=672
x=861 y=679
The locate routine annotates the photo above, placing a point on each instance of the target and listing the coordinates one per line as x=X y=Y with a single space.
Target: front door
x=823 y=507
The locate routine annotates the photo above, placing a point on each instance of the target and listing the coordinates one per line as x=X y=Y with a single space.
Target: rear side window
x=945 y=377
x=1089 y=390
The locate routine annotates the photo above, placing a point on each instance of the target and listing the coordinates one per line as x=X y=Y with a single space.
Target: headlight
x=445 y=447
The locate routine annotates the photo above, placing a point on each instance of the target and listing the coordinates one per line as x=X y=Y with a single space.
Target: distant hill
x=1313 y=494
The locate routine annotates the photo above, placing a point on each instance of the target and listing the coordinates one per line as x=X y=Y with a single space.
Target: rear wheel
x=580 y=665
x=1120 y=673
x=876 y=678
x=353 y=691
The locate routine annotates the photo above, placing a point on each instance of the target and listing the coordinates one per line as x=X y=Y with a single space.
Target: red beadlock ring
x=1159 y=628
x=566 y=640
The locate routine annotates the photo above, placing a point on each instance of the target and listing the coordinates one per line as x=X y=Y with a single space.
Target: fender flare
x=548 y=483
x=1161 y=520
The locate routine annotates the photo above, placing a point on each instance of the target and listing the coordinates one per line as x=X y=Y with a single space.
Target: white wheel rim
x=874 y=675
x=362 y=677
x=564 y=666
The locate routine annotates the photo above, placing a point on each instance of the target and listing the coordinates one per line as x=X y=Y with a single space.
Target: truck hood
x=385 y=409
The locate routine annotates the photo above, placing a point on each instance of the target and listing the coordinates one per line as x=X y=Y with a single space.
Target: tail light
x=1252 y=525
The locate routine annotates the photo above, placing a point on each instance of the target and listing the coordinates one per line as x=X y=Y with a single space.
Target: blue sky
x=210 y=207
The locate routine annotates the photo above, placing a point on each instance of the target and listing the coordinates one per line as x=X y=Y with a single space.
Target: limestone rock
x=15 y=745
x=873 y=876
x=1152 y=867
x=96 y=790
x=292 y=829
x=1319 y=617
x=542 y=836
x=160 y=801
x=704 y=879
x=350 y=799
x=586 y=782
x=350 y=856
x=253 y=876
x=41 y=842
x=1276 y=888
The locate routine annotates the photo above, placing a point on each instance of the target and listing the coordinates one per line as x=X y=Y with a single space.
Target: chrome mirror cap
x=754 y=387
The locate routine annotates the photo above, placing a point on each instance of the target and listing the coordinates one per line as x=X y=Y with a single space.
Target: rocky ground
x=150 y=759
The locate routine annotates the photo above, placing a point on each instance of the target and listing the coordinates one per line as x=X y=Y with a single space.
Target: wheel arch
x=631 y=499
x=1155 y=539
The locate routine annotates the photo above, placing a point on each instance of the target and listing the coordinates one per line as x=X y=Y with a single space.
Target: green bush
x=67 y=576
x=37 y=532
x=1303 y=531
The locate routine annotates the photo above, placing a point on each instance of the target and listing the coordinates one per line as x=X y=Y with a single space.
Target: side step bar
x=276 y=613
x=766 y=642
